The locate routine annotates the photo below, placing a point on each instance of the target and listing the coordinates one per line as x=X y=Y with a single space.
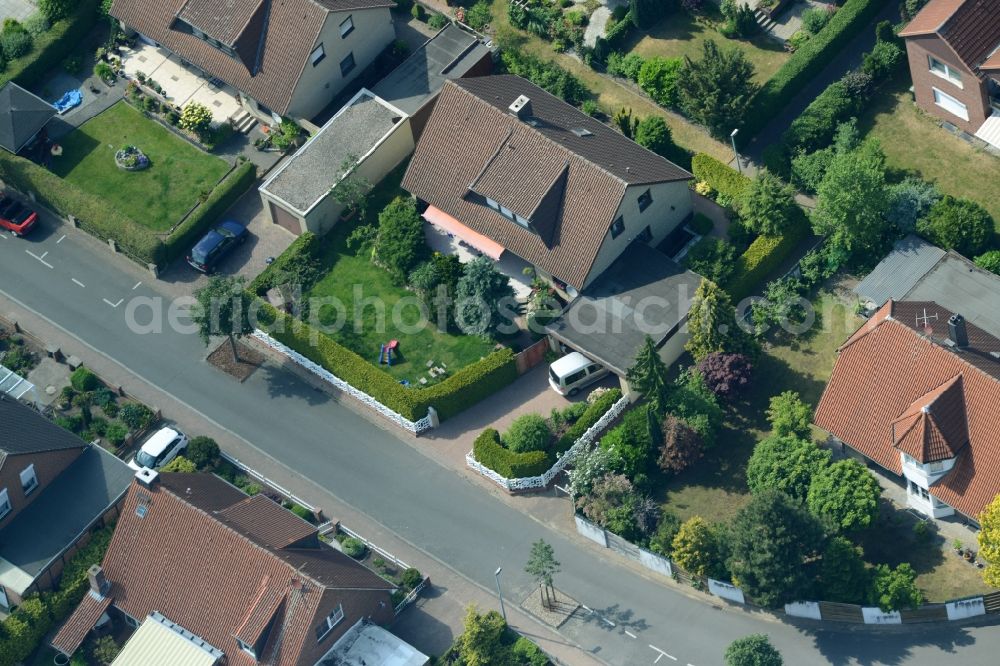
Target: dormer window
x=509 y=214
x=4 y=503
x=249 y=649
x=29 y=481
x=329 y=622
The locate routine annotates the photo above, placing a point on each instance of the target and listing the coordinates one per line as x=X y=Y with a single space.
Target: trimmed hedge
x=489 y=452
x=208 y=213
x=455 y=394
x=604 y=45
x=591 y=416
x=52 y=46
x=763 y=256
x=305 y=245
x=807 y=62
x=723 y=178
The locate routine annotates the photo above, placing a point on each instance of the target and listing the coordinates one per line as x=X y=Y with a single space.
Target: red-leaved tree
x=726 y=375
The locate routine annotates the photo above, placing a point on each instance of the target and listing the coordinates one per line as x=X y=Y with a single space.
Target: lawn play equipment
x=385 y=352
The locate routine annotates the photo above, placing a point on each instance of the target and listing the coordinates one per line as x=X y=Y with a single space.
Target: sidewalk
x=431 y=624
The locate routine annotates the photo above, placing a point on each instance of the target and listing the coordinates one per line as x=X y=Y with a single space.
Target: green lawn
x=156 y=197
x=349 y=273
x=914 y=143
x=680 y=34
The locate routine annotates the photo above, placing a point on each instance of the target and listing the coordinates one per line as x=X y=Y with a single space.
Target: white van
x=573 y=372
x=159 y=449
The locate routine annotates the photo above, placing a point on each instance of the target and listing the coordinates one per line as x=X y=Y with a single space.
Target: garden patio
x=158 y=197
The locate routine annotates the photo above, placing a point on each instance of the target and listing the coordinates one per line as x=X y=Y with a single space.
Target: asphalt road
x=79 y=286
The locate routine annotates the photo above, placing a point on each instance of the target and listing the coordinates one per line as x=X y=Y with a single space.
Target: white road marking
x=586 y=608
x=41 y=258
x=79 y=283
x=114 y=305
x=631 y=635
x=662 y=654
x=136 y=285
x=609 y=622
x=3 y=236
x=60 y=239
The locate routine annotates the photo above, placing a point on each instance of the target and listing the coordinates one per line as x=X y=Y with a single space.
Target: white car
x=161 y=448
x=573 y=372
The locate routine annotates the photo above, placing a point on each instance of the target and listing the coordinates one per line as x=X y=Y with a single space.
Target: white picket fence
x=415 y=427
x=544 y=479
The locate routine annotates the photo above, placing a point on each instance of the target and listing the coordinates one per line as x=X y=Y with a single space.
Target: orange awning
x=447 y=223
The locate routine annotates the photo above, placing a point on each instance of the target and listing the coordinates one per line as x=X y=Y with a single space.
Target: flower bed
x=131 y=158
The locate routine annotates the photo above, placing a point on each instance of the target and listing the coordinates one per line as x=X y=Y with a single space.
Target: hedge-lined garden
x=51 y=47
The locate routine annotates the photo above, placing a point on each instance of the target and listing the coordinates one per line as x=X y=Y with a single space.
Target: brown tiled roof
x=217 y=581
x=569 y=186
x=72 y=634
x=284 y=43
x=899 y=362
x=970 y=27
x=264 y=521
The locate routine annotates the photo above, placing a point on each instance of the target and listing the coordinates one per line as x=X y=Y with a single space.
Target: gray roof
x=366 y=644
x=894 y=277
x=308 y=176
x=27 y=431
x=22 y=115
x=643 y=292
x=450 y=54
x=961 y=286
x=66 y=507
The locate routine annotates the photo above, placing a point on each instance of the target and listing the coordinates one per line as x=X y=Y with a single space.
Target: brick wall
x=972 y=93
x=47 y=467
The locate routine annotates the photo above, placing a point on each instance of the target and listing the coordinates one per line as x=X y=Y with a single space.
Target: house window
x=347 y=27
x=4 y=503
x=944 y=71
x=249 y=649
x=347 y=64
x=331 y=621
x=645 y=235
x=29 y=481
x=317 y=56
x=617 y=227
x=493 y=204
x=131 y=621
x=645 y=199
x=522 y=221
x=950 y=104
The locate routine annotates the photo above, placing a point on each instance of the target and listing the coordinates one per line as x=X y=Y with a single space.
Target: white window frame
x=943 y=70
x=507 y=212
x=493 y=204
x=247 y=648
x=318 y=55
x=29 y=479
x=332 y=620
x=5 y=505
x=522 y=221
x=345 y=31
x=950 y=104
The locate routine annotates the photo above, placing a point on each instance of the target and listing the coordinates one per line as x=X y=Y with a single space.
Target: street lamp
x=500 y=594
x=732 y=137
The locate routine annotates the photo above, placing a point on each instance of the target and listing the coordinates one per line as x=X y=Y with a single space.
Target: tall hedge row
x=456 y=393
x=489 y=452
x=723 y=178
x=762 y=258
x=52 y=46
x=305 y=245
x=807 y=62
x=592 y=415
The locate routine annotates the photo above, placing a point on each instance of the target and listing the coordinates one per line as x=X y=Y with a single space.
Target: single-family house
x=227 y=578
x=23 y=114
x=55 y=489
x=916 y=390
x=286 y=58
x=953 y=47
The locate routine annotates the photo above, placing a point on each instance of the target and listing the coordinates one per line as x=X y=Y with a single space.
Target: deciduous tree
x=957 y=224
x=753 y=650
x=659 y=78
x=481 y=642
x=842 y=573
x=895 y=589
x=726 y=375
x=785 y=463
x=989 y=541
x=400 y=244
x=788 y=415
x=697 y=548
x=844 y=495
x=769 y=207
x=223 y=308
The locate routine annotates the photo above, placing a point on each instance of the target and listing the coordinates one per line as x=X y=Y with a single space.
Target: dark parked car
x=15 y=217
x=215 y=244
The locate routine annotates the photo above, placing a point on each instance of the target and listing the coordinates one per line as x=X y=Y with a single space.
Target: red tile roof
x=899 y=363
x=970 y=27
x=186 y=557
x=568 y=185
x=79 y=624
x=281 y=35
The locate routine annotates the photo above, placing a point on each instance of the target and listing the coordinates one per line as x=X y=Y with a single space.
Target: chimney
x=147 y=477
x=957 y=332
x=99 y=585
x=521 y=108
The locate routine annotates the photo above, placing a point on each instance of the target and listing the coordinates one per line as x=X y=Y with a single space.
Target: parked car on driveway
x=214 y=245
x=161 y=448
x=574 y=371
x=15 y=217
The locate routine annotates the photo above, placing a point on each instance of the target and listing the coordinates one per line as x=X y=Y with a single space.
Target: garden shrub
x=83 y=379
x=302 y=512
x=136 y=416
x=713 y=258
x=37 y=24
x=545 y=74
x=762 y=258
x=817 y=124
x=806 y=63
x=528 y=432
x=437 y=21
x=353 y=547
x=301 y=253
x=909 y=201
x=815 y=19
x=52 y=47
x=595 y=410
x=400 y=242
x=203 y=452
x=883 y=60
x=957 y=224
x=180 y=464
x=989 y=261
x=115 y=434
x=15 y=40
x=701 y=224
x=626 y=66
x=722 y=178
x=631 y=445
x=489 y=452
x=410 y=578
x=658 y=78
x=614 y=36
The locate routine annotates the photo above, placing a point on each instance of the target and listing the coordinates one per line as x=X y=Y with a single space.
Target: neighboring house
x=507 y=167
x=22 y=116
x=953 y=48
x=54 y=490
x=915 y=270
x=916 y=390
x=286 y=58
x=238 y=577
x=376 y=130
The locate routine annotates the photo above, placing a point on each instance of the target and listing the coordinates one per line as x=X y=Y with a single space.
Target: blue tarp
x=68 y=101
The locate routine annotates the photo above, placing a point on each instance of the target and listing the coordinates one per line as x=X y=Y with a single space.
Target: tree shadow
x=283 y=383
x=841 y=648
x=623 y=618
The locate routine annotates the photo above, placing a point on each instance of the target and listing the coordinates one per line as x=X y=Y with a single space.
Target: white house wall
x=671 y=205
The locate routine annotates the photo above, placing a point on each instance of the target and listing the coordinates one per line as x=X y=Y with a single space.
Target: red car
x=15 y=217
